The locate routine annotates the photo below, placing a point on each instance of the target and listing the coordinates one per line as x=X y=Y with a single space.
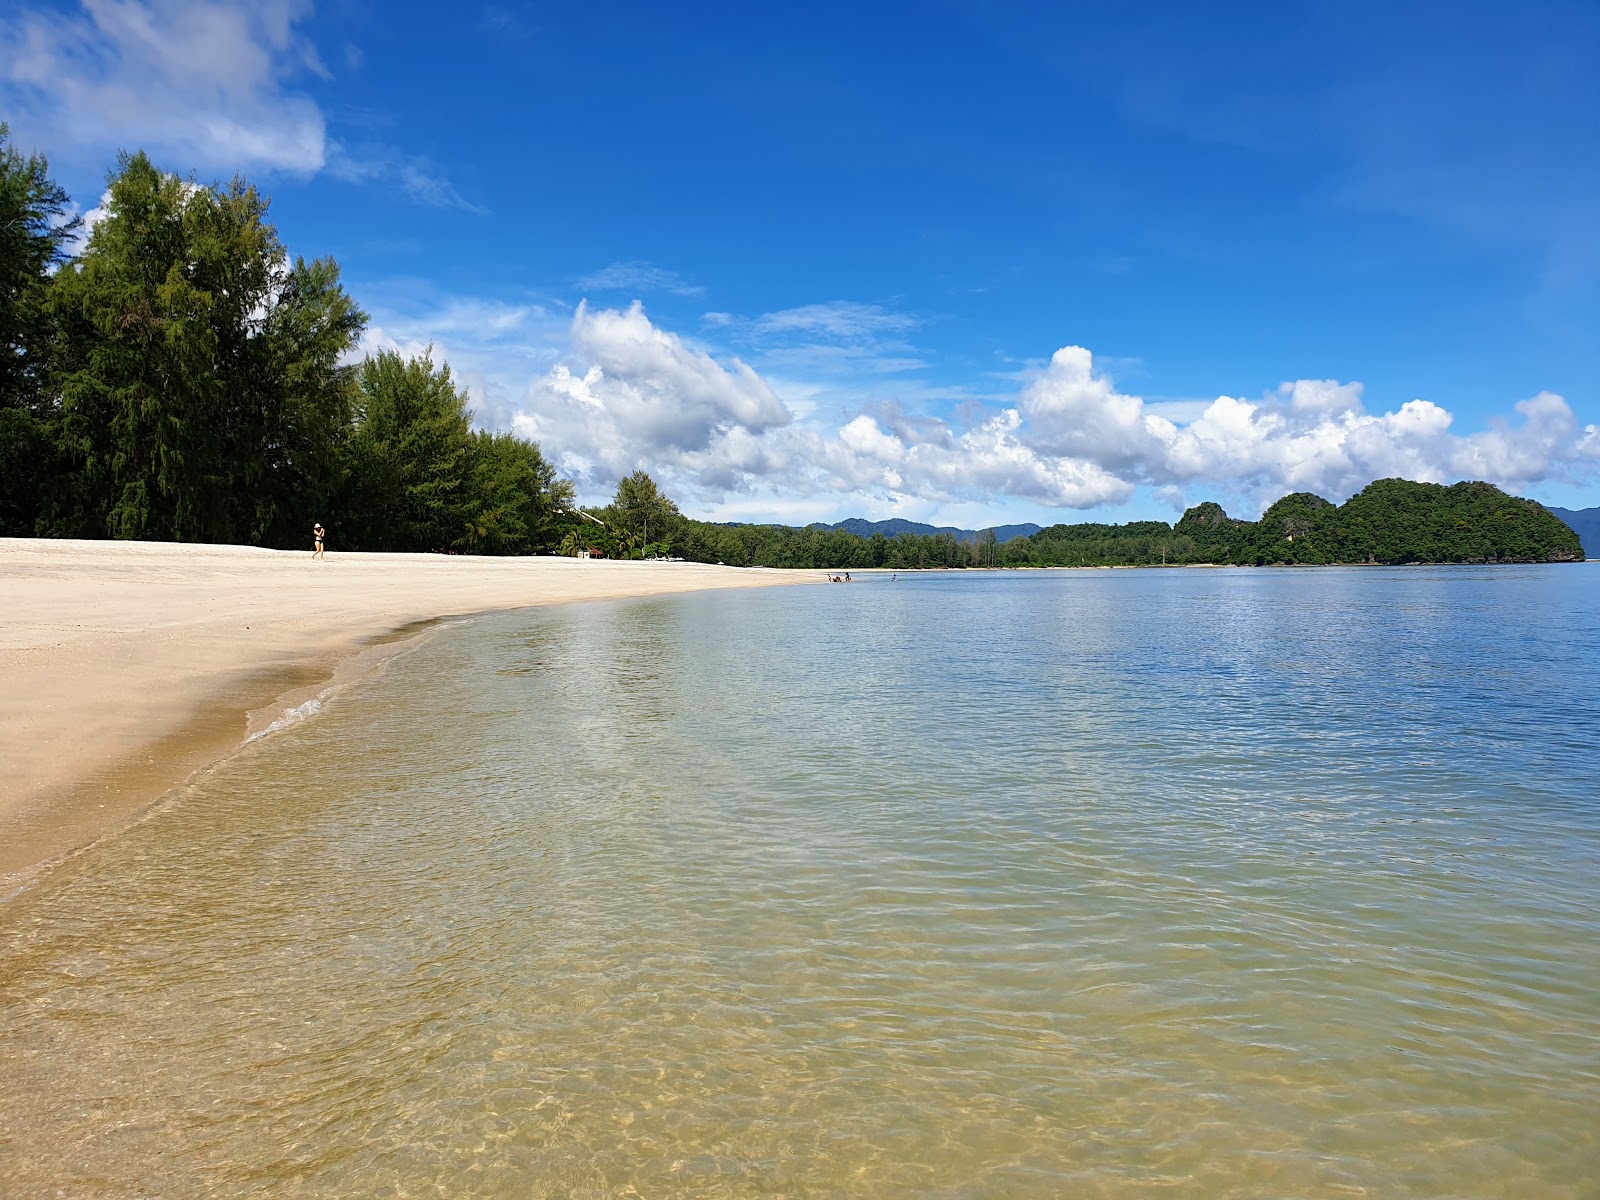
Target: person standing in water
x=317 y=536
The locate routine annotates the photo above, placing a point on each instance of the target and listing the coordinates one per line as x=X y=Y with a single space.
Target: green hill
x=1389 y=521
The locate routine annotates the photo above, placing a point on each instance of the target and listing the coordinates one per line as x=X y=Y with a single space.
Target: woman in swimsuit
x=316 y=538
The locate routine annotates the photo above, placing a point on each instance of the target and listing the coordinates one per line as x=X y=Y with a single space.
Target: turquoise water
x=1198 y=883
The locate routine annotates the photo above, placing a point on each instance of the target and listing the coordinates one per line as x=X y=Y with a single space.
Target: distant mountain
x=864 y=528
x=1585 y=522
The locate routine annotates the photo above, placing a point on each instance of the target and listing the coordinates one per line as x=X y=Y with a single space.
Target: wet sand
x=127 y=666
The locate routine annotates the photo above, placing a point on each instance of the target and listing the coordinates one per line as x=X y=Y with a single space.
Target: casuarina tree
x=35 y=231
x=199 y=375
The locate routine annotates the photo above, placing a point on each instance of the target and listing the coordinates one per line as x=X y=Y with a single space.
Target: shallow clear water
x=1117 y=884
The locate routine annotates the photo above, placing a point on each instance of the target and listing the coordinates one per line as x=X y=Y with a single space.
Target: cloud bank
x=627 y=394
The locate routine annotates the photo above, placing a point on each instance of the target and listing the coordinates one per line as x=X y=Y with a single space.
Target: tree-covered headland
x=180 y=377
x=1391 y=521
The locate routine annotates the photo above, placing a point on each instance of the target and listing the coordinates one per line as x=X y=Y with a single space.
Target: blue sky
x=961 y=262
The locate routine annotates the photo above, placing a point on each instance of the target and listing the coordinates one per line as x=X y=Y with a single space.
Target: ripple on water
x=1217 y=884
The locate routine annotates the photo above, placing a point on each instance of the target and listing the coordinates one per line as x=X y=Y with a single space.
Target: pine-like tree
x=35 y=231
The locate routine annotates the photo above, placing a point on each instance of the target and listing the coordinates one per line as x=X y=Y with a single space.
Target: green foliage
x=640 y=515
x=1392 y=521
x=302 y=404
x=193 y=388
x=420 y=478
x=819 y=549
x=1139 y=543
x=34 y=232
x=1300 y=528
x=511 y=496
x=181 y=380
x=1397 y=521
x=201 y=395
x=1215 y=536
x=25 y=452
x=409 y=457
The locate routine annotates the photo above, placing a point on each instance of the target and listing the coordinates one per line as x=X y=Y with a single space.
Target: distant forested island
x=1390 y=521
x=178 y=377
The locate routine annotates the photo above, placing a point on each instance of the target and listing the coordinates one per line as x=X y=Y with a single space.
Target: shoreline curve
x=128 y=667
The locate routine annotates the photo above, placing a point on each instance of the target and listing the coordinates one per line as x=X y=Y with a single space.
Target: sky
x=960 y=262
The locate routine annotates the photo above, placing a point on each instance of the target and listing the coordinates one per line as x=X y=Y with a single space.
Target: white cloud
x=414 y=177
x=1073 y=412
x=608 y=392
x=86 y=223
x=200 y=84
x=841 y=340
x=205 y=81
x=491 y=346
x=620 y=393
x=1265 y=448
x=633 y=395
x=639 y=277
x=841 y=319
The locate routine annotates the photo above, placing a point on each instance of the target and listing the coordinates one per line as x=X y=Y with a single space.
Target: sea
x=1106 y=883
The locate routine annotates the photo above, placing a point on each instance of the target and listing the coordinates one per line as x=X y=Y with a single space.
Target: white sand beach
x=126 y=666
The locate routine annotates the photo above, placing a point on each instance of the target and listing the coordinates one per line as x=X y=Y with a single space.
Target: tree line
x=180 y=378
x=1391 y=521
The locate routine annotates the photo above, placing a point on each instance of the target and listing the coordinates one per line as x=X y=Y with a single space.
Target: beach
x=127 y=666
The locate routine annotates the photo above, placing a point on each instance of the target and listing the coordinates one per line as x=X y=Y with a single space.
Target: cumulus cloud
x=633 y=395
x=1275 y=445
x=988 y=460
x=627 y=394
x=1073 y=412
x=207 y=81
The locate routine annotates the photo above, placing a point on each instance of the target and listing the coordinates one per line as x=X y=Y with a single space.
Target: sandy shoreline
x=127 y=666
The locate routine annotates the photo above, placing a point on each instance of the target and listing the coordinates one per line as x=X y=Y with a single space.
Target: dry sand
x=127 y=666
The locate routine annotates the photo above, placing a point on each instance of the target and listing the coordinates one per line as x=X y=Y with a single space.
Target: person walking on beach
x=317 y=536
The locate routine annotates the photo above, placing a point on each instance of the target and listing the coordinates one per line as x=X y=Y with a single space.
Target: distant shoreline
x=125 y=667
x=1209 y=566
